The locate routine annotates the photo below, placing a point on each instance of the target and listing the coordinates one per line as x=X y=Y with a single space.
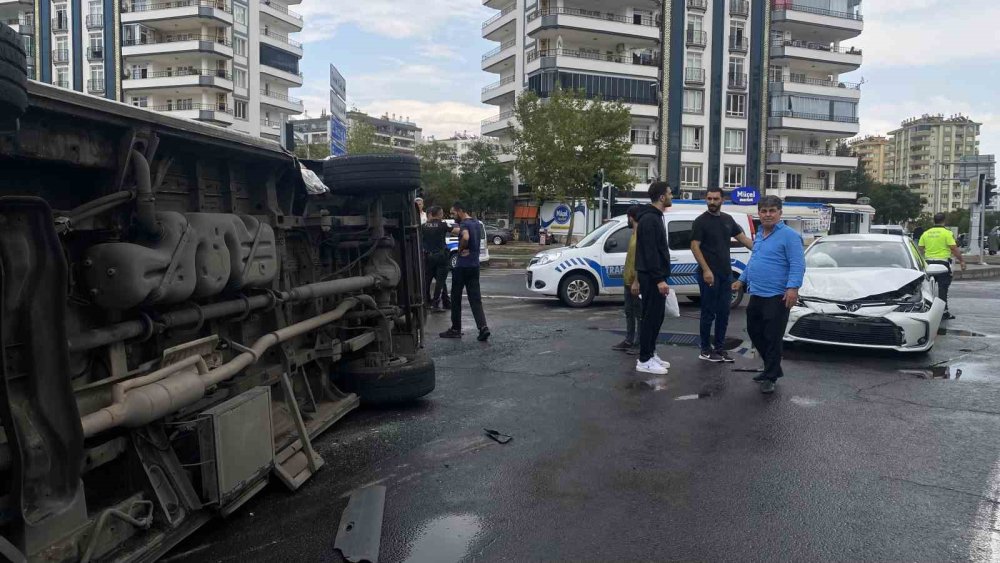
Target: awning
x=525 y=212
x=853 y=208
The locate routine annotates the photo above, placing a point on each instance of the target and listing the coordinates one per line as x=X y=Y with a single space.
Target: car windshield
x=594 y=235
x=858 y=254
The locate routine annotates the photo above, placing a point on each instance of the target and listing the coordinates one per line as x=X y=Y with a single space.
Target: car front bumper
x=543 y=280
x=900 y=332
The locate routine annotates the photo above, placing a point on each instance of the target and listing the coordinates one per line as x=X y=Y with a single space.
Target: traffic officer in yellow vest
x=938 y=246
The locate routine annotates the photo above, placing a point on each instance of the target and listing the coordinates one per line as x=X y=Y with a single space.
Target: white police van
x=594 y=266
x=452 y=242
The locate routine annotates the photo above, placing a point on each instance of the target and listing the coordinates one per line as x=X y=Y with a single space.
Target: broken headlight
x=919 y=306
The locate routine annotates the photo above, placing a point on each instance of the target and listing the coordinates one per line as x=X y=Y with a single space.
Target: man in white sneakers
x=652 y=267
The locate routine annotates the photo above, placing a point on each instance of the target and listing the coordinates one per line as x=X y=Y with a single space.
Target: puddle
x=444 y=539
x=688 y=339
x=957 y=372
x=654 y=384
x=958 y=332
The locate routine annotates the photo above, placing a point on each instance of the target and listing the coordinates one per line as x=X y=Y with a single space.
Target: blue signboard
x=561 y=214
x=745 y=196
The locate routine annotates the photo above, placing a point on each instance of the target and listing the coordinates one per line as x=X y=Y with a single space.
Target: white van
x=594 y=266
x=452 y=242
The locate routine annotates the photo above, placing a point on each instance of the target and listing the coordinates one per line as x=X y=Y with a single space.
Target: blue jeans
x=715 y=300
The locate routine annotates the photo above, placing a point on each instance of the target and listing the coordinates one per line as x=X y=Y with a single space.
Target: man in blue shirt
x=466 y=275
x=773 y=278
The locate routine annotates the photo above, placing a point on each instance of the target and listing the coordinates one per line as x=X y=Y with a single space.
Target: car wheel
x=694 y=299
x=453 y=260
x=498 y=240
x=577 y=290
x=737 y=296
x=372 y=174
x=396 y=383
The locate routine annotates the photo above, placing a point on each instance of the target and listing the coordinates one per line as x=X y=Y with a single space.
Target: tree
x=312 y=151
x=895 y=204
x=857 y=180
x=563 y=142
x=438 y=181
x=361 y=139
x=486 y=183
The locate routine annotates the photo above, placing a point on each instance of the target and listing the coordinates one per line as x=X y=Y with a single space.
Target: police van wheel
x=372 y=174
x=577 y=290
x=737 y=297
x=453 y=260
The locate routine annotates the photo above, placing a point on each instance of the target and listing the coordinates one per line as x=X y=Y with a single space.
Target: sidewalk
x=975 y=271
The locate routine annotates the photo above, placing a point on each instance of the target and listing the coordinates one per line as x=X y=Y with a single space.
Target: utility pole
x=664 y=73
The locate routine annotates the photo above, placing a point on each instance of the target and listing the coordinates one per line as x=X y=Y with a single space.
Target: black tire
x=694 y=299
x=389 y=385
x=498 y=240
x=372 y=174
x=453 y=260
x=577 y=290
x=13 y=74
x=737 y=298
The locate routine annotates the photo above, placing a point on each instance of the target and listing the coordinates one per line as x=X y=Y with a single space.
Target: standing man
x=773 y=277
x=434 y=234
x=712 y=232
x=633 y=304
x=652 y=268
x=937 y=244
x=466 y=275
x=419 y=202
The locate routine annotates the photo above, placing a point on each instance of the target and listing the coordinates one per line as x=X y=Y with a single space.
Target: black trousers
x=943 y=281
x=436 y=269
x=767 y=318
x=467 y=278
x=653 y=304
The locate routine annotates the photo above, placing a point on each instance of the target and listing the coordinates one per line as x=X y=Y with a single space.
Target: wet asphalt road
x=852 y=458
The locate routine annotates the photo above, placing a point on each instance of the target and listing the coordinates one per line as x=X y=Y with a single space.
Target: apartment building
x=873 y=152
x=926 y=154
x=399 y=134
x=312 y=130
x=716 y=51
x=226 y=62
x=461 y=144
x=811 y=109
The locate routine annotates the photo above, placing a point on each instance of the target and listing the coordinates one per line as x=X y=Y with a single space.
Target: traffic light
x=989 y=192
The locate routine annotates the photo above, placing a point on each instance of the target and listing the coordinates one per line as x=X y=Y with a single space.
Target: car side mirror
x=612 y=244
x=936 y=269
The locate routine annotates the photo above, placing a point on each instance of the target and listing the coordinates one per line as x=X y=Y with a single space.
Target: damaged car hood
x=853 y=284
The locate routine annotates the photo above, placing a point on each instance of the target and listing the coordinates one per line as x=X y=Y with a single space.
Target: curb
x=508 y=263
x=978 y=273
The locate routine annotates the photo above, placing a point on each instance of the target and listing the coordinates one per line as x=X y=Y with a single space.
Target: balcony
x=270 y=127
x=171 y=45
x=178 y=12
x=280 y=41
x=788 y=15
x=798 y=84
x=25 y=25
x=821 y=57
x=504 y=88
x=738 y=45
x=809 y=188
x=287 y=76
x=804 y=155
x=737 y=81
x=281 y=101
x=178 y=78
x=96 y=86
x=694 y=75
x=701 y=5
x=739 y=8
x=95 y=53
x=219 y=114
x=607 y=23
x=61 y=83
x=497 y=124
x=637 y=65
x=60 y=56
x=282 y=14
x=500 y=58
x=843 y=126
x=95 y=21
x=501 y=24
x=696 y=38
x=60 y=24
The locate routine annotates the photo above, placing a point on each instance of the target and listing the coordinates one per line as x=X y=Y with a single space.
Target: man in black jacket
x=652 y=266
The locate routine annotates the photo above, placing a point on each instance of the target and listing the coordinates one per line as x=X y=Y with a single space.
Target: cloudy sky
x=421 y=59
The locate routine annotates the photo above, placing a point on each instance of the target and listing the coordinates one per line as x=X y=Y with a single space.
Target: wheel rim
x=578 y=291
x=735 y=297
x=497 y=240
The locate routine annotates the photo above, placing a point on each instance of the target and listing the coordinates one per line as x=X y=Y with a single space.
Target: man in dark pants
x=773 y=278
x=710 y=241
x=937 y=245
x=466 y=275
x=652 y=268
x=434 y=234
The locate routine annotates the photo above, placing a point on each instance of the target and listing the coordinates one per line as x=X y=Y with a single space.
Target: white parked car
x=867 y=291
x=452 y=242
x=594 y=266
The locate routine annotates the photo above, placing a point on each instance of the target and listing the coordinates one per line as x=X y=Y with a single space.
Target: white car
x=594 y=266
x=452 y=242
x=867 y=291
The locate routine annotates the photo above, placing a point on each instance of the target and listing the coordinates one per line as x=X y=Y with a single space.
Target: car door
x=613 y=254
x=683 y=267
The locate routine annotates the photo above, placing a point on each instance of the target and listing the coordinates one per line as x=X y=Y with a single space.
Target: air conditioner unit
x=687 y=195
x=823 y=174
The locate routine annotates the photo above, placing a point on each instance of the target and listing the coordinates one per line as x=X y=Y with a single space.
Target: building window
x=736 y=105
x=736 y=141
x=694 y=59
x=240 y=77
x=140 y=101
x=734 y=175
x=737 y=34
x=240 y=46
x=240 y=109
x=641 y=172
x=694 y=101
x=691 y=175
x=691 y=138
x=240 y=14
x=776 y=74
x=772 y=179
x=794 y=181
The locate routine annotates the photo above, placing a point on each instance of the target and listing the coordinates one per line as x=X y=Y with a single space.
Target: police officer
x=938 y=246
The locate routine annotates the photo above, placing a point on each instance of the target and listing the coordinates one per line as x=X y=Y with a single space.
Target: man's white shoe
x=661 y=361
x=650 y=366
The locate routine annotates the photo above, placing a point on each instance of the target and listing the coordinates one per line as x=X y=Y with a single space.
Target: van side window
x=679 y=235
x=617 y=243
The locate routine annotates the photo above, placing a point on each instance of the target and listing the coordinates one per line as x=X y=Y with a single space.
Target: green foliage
x=314 y=151
x=361 y=140
x=894 y=204
x=438 y=181
x=486 y=183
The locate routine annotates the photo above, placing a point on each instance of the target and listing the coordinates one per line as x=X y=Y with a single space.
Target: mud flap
x=37 y=407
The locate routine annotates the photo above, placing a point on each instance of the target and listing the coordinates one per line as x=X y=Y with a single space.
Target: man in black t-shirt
x=710 y=242
x=434 y=234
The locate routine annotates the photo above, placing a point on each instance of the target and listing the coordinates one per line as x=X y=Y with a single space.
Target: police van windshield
x=596 y=234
